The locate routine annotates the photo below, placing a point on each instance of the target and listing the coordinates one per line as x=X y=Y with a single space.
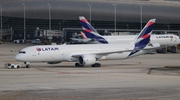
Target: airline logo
x=164 y=37
x=144 y=38
x=47 y=49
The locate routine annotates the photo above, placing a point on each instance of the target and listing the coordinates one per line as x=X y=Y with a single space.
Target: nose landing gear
x=27 y=64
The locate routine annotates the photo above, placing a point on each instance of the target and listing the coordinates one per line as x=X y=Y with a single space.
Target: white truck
x=12 y=66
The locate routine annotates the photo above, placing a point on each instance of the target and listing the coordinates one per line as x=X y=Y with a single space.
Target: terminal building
x=23 y=18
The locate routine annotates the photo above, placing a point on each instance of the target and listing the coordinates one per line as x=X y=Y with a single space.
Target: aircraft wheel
x=93 y=65
x=77 y=64
x=98 y=65
x=18 y=67
x=12 y=67
x=27 y=66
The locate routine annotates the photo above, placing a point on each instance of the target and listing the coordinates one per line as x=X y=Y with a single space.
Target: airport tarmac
x=141 y=78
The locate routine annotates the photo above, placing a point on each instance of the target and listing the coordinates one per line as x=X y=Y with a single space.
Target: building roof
x=103 y=10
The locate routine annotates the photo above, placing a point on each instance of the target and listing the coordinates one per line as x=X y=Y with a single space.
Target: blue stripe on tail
x=144 y=37
x=93 y=36
x=87 y=26
x=89 y=31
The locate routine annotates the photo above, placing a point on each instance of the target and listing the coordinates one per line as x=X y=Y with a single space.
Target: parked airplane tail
x=83 y=35
x=90 y=32
x=86 y=24
x=144 y=37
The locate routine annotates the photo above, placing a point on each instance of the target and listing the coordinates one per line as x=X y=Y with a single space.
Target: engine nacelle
x=87 y=60
x=54 y=62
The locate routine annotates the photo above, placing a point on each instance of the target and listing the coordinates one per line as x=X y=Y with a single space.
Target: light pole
x=24 y=21
x=141 y=14
x=114 y=17
x=127 y=27
x=168 y=28
x=49 y=15
x=60 y=26
x=1 y=22
x=89 y=12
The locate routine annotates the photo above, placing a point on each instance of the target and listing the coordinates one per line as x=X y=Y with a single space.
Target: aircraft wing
x=103 y=53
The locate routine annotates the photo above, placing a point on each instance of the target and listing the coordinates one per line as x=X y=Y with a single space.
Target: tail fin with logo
x=144 y=37
x=90 y=32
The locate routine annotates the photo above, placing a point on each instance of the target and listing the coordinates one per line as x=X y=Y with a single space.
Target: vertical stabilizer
x=90 y=32
x=144 y=37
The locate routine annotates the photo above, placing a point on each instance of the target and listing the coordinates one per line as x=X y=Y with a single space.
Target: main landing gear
x=78 y=65
x=93 y=65
x=96 y=65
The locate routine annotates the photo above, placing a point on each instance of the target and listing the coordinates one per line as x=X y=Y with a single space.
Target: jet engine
x=87 y=60
x=54 y=62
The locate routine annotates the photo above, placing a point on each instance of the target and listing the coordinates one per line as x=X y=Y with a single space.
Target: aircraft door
x=62 y=52
x=34 y=53
x=175 y=39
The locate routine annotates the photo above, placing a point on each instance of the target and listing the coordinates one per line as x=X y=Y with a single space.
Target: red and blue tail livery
x=144 y=37
x=90 y=32
x=140 y=41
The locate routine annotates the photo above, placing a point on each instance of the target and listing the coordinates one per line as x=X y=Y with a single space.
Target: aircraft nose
x=17 y=57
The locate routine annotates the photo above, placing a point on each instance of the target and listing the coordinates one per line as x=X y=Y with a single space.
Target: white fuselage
x=55 y=53
x=163 y=40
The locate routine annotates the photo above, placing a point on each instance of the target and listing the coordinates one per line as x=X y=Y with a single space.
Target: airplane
x=83 y=40
x=78 y=40
x=90 y=33
x=85 y=55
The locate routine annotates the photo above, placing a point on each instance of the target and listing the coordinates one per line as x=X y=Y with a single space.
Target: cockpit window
x=23 y=52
